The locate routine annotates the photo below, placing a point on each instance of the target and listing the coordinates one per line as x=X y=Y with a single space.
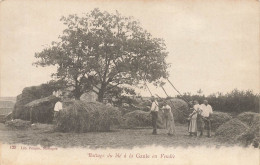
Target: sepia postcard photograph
x=111 y=82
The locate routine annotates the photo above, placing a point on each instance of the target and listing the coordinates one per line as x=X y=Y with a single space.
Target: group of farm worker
x=199 y=119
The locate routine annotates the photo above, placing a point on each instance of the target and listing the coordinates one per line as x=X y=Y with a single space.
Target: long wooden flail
x=177 y=91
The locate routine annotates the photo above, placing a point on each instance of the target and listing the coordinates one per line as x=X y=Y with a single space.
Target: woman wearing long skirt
x=193 y=119
x=170 y=126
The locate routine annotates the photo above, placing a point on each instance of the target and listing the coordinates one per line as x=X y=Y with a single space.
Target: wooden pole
x=177 y=91
x=148 y=88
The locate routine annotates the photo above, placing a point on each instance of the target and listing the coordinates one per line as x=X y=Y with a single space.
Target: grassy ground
x=42 y=134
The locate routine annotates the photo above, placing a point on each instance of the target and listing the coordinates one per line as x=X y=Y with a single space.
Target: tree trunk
x=100 y=96
x=101 y=93
x=77 y=92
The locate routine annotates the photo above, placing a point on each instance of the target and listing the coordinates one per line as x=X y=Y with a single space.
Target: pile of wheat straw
x=231 y=130
x=180 y=110
x=218 y=118
x=83 y=116
x=248 y=117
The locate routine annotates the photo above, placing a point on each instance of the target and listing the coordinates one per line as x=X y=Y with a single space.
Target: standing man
x=206 y=111
x=154 y=112
x=57 y=108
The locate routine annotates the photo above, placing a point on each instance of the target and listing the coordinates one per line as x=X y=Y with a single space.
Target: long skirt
x=170 y=126
x=193 y=125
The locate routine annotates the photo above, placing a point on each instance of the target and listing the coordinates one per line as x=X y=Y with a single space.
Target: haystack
x=143 y=108
x=249 y=117
x=18 y=124
x=146 y=103
x=231 y=130
x=136 y=119
x=180 y=110
x=139 y=118
x=252 y=135
x=87 y=117
x=41 y=110
x=28 y=95
x=89 y=97
x=218 y=118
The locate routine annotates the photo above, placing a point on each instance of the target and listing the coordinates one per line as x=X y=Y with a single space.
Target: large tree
x=104 y=50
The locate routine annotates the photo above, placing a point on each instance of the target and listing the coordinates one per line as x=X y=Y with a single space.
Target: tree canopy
x=103 y=50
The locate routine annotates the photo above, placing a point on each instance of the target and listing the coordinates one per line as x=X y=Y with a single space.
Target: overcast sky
x=213 y=45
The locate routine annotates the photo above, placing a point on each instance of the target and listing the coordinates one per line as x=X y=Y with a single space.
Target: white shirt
x=168 y=111
x=154 y=106
x=206 y=110
x=196 y=108
x=58 y=106
x=167 y=107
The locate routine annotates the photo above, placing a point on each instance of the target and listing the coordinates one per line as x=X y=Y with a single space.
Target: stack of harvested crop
x=41 y=110
x=218 y=118
x=231 y=130
x=139 y=118
x=28 y=95
x=136 y=119
x=252 y=135
x=180 y=110
x=248 y=117
x=83 y=116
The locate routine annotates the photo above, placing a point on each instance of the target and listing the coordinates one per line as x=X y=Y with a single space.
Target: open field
x=42 y=134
